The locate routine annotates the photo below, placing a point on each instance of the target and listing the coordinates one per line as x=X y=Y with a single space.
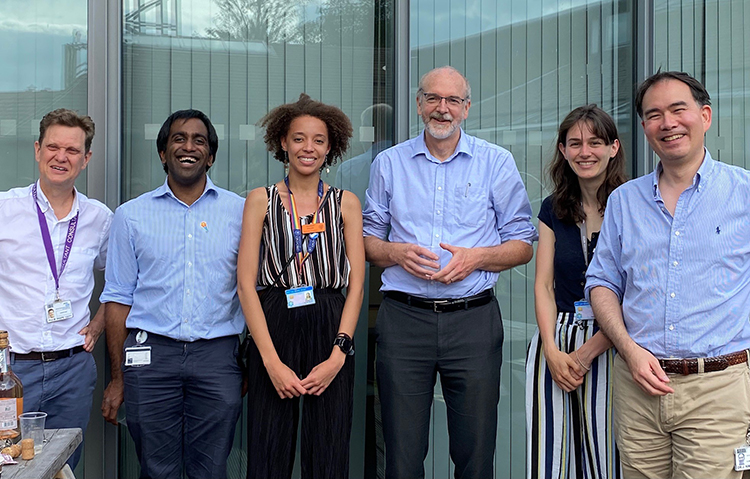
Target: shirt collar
x=699 y=180
x=420 y=148
x=44 y=205
x=165 y=190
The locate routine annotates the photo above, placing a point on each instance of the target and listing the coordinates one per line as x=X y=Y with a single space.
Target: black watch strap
x=345 y=343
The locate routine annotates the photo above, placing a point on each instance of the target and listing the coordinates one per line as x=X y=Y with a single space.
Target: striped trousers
x=570 y=435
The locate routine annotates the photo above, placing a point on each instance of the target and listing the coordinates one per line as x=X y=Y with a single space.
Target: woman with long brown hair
x=569 y=361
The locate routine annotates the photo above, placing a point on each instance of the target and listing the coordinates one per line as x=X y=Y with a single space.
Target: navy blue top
x=569 y=265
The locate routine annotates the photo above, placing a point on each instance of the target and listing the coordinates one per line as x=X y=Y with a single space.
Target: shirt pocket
x=80 y=267
x=470 y=205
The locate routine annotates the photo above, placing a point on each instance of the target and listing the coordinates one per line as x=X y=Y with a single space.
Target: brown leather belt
x=690 y=366
x=441 y=305
x=49 y=355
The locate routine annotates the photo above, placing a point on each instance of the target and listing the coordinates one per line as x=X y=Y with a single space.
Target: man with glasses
x=51 y=240
x=445 y=213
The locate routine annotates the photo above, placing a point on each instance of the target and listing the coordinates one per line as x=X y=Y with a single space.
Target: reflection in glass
x=44 y=61
x=236 y=59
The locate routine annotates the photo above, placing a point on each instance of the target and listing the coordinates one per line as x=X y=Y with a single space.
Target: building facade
x=130 y=63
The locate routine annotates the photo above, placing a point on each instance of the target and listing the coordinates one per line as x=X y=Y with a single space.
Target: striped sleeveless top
x=326 y=267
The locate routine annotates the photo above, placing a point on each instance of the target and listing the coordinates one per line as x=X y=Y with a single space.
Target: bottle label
x=3 y=361
x=8 y=414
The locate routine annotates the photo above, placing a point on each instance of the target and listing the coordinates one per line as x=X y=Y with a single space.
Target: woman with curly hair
x=569 y=361
x=301 y=244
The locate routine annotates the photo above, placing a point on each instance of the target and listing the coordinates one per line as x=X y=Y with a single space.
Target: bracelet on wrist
x=581 y=362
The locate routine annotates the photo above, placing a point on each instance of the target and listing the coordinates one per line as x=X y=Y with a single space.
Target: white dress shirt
x=26 y=281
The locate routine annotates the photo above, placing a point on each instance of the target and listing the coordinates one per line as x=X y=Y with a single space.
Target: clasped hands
x=422 y=263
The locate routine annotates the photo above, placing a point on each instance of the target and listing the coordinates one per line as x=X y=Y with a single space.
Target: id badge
x=583 y=311
x=138 y=356
x=742 y=458
x=302 y=296
x=58 y=310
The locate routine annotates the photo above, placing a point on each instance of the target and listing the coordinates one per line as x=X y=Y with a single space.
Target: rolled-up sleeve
x=606 y=267
x=511 y=203
x=121 y=274
x=376 y=215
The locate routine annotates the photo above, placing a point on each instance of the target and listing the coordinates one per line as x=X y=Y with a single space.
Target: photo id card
x=302 y=296
x=58 y=310
x=138 y=356
x=742 y=458
x=583 y=311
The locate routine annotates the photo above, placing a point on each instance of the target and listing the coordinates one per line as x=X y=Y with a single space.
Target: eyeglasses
x=433 y=99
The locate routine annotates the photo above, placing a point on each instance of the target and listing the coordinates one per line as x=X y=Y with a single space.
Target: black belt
x=49 y=355
x=441 y=305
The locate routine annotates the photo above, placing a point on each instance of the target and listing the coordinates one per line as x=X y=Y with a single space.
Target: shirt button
x=190 y=264
x=671 y=327
x=190 y=236
x=672 y=295
x=677 y=233
x=583 y=283
x=186 y=320
x=437 y=235
x=438 y=211
x=188 y=292
x=440 y=188
x=675 y=263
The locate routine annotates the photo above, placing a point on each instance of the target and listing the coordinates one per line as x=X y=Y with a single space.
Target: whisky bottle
x=11 y=396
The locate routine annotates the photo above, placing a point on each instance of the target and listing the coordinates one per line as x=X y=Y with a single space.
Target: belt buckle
x=437 y=303
x=46 y=359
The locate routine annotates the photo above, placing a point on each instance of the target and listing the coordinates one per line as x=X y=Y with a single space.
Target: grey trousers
x=465 y=347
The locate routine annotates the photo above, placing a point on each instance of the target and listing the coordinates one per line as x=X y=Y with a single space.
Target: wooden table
x=58 y=447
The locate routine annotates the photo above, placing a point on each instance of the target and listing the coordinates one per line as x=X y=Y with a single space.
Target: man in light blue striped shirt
x=670 y=286
x=173 y=315
x=445 y=213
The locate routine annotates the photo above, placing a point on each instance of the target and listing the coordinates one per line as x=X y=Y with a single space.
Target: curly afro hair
x=278 y=121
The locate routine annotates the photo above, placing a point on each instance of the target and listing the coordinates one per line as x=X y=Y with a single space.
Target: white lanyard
x=584 y=243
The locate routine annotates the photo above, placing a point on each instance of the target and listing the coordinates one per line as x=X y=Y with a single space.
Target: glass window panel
x=529 y=63
x=709 y=40
x=44 y=58
x=235 y=60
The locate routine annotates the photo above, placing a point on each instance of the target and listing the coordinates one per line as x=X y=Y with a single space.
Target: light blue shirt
x=176 y=265
x=684 y=281
x=475 y=198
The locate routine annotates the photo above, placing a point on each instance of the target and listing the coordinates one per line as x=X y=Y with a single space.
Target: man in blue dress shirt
x=670 y=286
x=173 y=316
x=445 y=212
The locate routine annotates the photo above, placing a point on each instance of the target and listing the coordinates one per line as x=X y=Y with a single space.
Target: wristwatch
x=345 y=343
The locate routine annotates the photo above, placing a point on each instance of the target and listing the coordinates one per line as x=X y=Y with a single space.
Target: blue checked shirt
x=177 y=264
x=684 y=281
x=475 y=198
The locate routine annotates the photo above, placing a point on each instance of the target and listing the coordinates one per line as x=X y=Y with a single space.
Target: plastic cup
x=32 y=427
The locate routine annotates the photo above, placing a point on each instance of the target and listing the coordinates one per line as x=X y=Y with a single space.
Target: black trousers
x=466 y=349
x=303 y=338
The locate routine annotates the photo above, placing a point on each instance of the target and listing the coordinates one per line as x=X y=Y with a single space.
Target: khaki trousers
x=691 y=433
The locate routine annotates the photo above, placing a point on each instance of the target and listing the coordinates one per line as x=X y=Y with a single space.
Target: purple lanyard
x=48 y=241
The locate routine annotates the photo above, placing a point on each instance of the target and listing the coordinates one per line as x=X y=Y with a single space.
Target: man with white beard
x=445 y=213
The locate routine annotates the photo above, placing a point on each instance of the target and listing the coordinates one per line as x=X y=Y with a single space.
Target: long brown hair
x=566 y=196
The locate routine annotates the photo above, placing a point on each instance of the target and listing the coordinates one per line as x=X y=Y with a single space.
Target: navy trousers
x=466 y=348
x=62 y=388
x=182 y=408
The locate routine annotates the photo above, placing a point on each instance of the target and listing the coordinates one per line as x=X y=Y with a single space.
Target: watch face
x=344 y=344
